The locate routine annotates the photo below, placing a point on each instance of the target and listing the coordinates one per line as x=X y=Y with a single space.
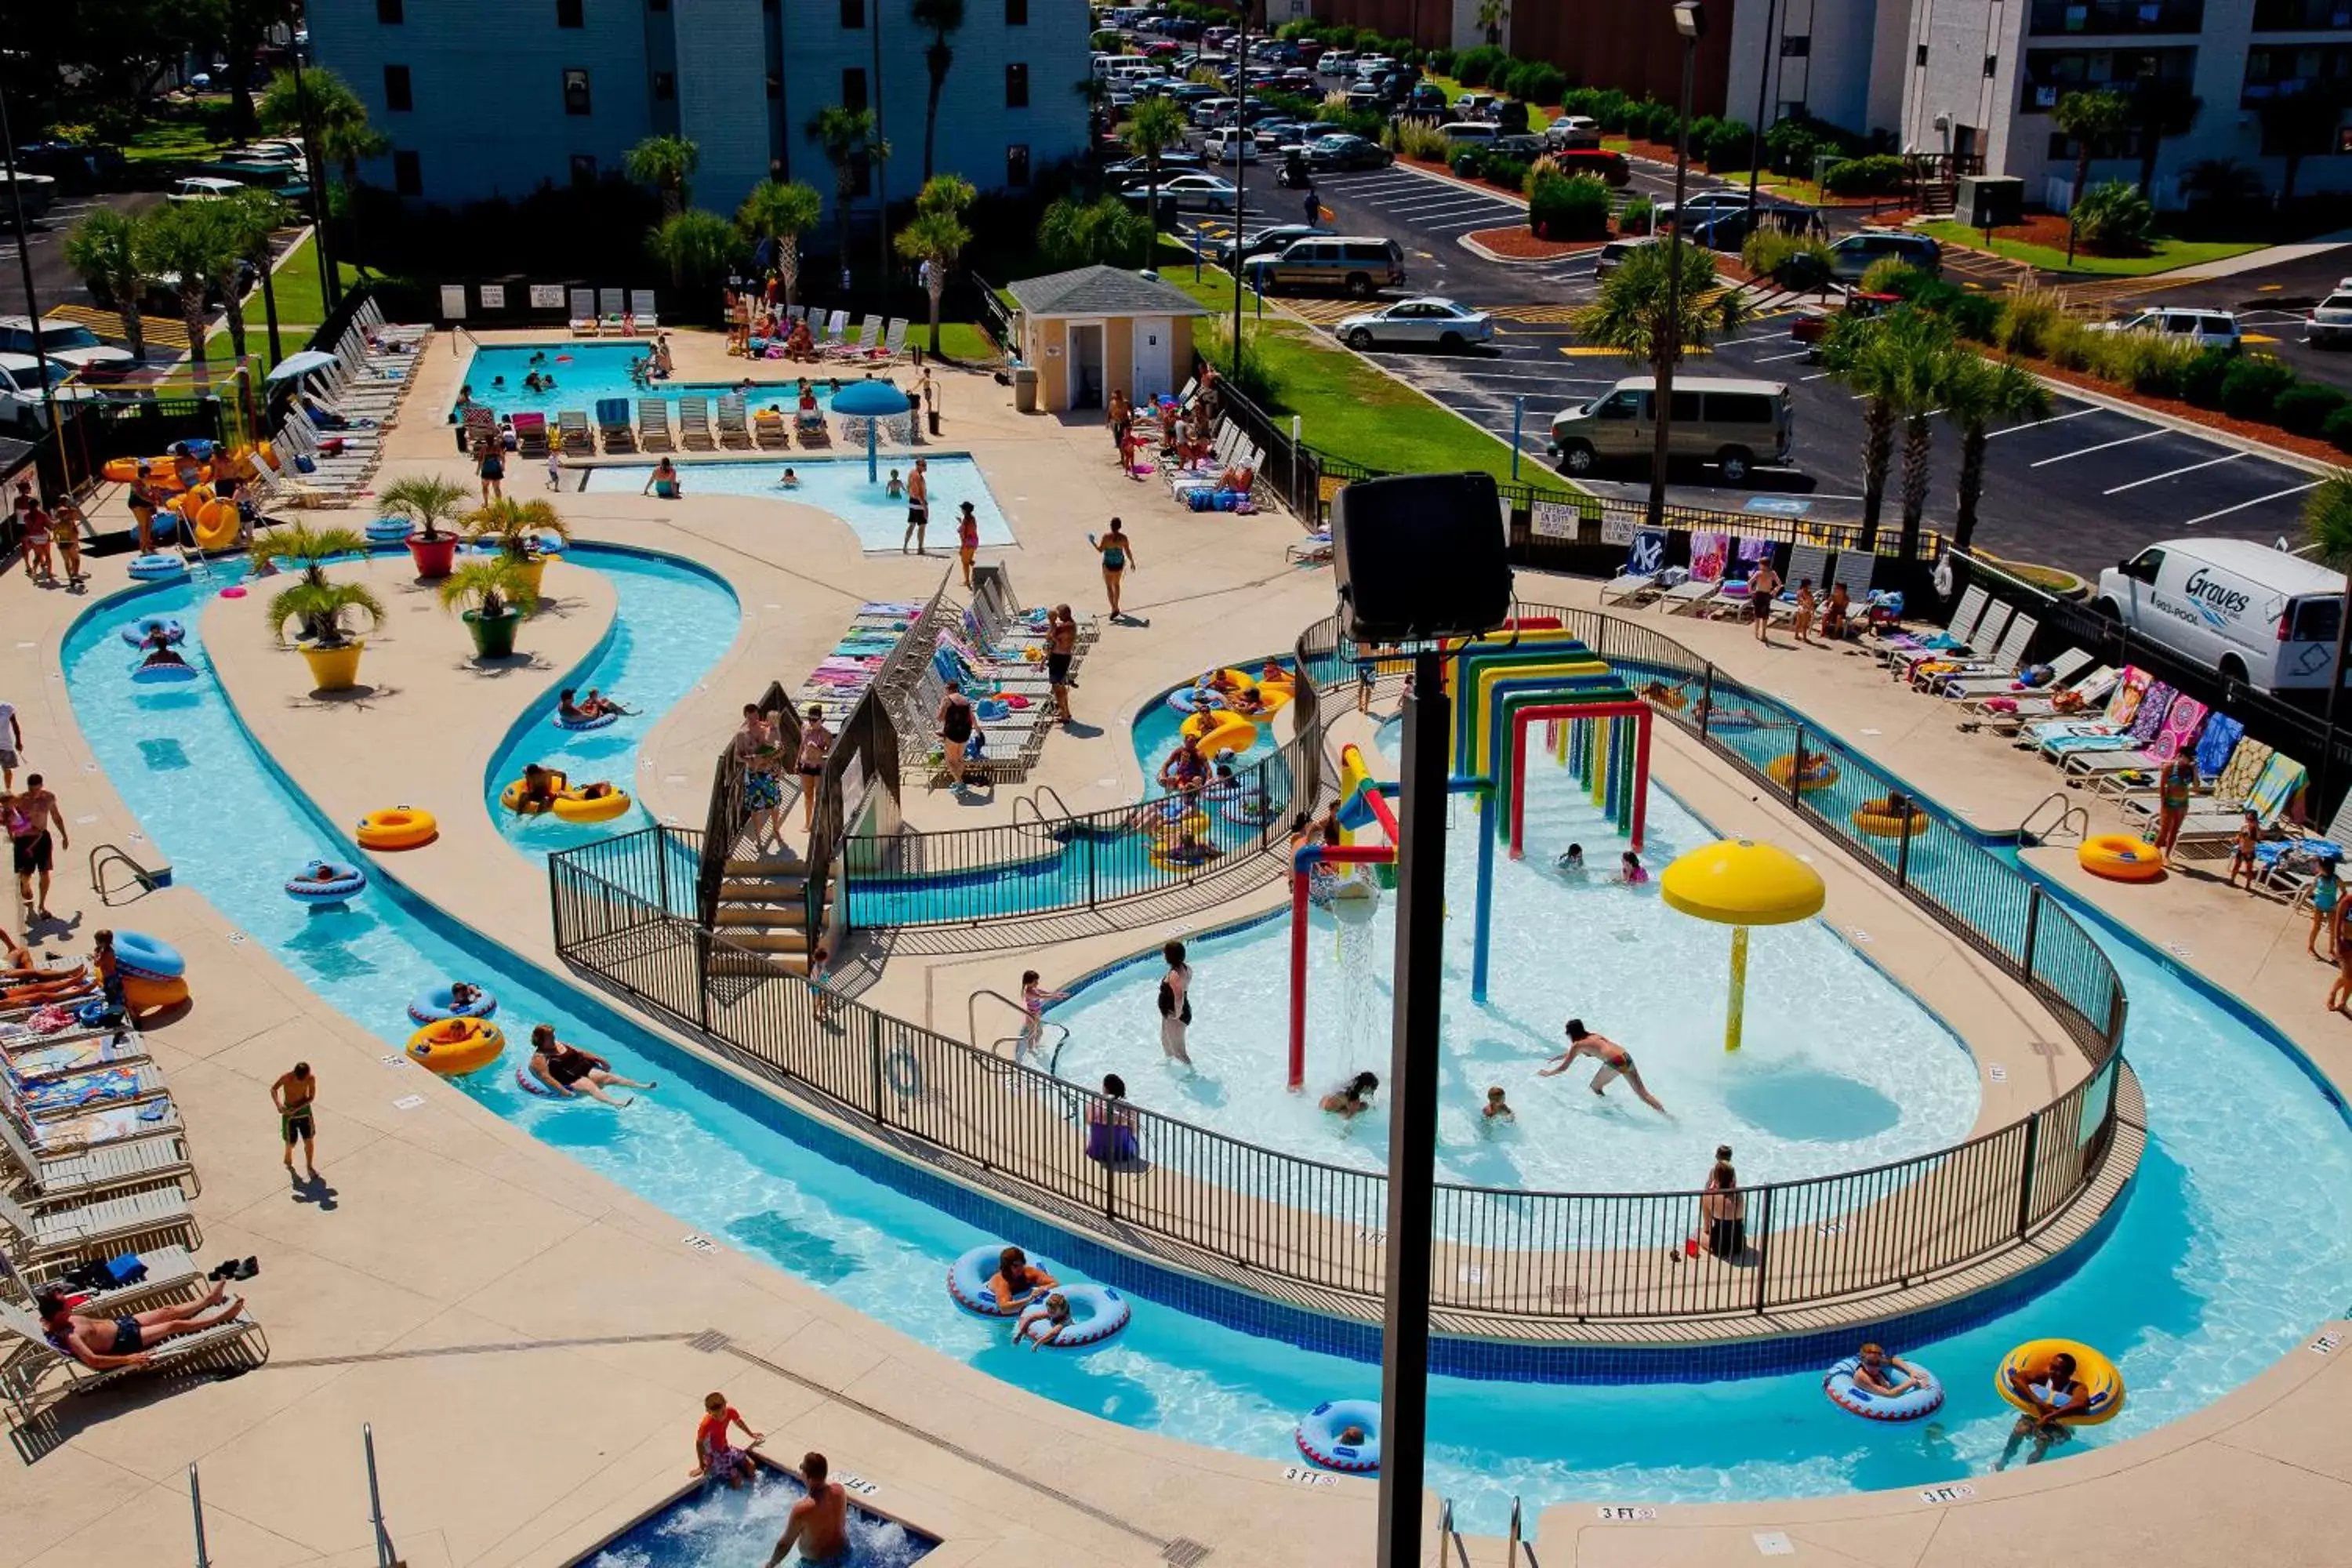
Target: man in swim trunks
x=1615 y=1061
x=819 y=1524
x=36 y=807
x=1016 y=1278
x=1061 y=647
x=918 y=507
x=109 y=1345
x=295 y=1095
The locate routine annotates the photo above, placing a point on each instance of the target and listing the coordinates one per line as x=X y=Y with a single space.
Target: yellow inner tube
x=1873 y=817
x=396 y=827
x=1820 y=771
x=456 y=1045
x=570 y=803
x=2120 y=858
x=216 y=525
x=2094 y=1372
x=1214 y=733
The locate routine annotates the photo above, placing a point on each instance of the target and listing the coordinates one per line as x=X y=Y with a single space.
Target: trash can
x=1024 y=388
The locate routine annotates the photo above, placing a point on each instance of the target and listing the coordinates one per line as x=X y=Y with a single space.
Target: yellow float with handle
x=1879 y=818
x=1820 y=771
x=2120 y=858
x=1216 y=732
x=571 y=803
x=455 y=1046
x=396 y=827
x=216 y=525
x=2097 y=1373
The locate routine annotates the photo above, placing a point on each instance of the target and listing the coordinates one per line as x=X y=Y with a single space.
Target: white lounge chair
x=60 y=1233
x=641 y=305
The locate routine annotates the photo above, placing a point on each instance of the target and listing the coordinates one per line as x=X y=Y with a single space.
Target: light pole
x=881 y=178
x=1763 y=101
x=329 y=289
x=1241 y=168
x=24 y=264
x=1691 y=23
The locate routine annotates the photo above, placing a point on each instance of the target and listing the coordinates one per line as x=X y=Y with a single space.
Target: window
x=853 y=13
x=584 y=168
x=567 y=14
x=1797 y=47
x=656 y=5
x=576 y=91
x=388 y=11
x=665 y=86
x=1016 y=167
x=775 y=85
x=1992 y=65
x=1017 y=13
x=397 y=96
x=853 y=88
x=408 y=178
x=1017 y=86
x=1922 y=57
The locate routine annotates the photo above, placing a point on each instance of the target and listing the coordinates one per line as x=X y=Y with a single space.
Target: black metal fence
x=731 y=794
x=1212 y=1200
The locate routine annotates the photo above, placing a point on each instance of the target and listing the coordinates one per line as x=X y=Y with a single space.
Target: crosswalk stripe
x=161 y=331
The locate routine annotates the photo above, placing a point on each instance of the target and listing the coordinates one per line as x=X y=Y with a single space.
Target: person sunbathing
x=131 y=1340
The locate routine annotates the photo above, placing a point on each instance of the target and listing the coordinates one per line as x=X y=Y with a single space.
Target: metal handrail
x=1053 y=1056
x=104 y=854
x=2068 y=810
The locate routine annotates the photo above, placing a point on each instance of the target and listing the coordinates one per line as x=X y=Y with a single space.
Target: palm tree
x=190 y=243
x=517 y=525
x=937 y=236
x=664 y=163
x=1153 y=126
x=852 y=138
x=942 y=18
x=336 y=130
x=2223 y=183
x=250 y=217
x=1977 y=391
x=782 y=211
x=694 y=244
x=1915 y=344
x=2299 y=124
x=2088 y=118
x=2161 y=107
x=103 y=249
x=1492 y=16
x=1870 y=355
x=429 y=500
x=319 y=608
x=1661 y=304
x=489 y=588
x=308 y=549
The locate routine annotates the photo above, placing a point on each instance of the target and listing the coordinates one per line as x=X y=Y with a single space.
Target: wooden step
x=762 y=889
x=782 y=865
x=768 y=941
x=740 y=962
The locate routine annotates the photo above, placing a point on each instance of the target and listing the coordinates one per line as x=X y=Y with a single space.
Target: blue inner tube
x=598 y=723
x=140 y=954
x=93 y=1012
x=390 y=530
x=529 y=1085
x=1249 y=809
x=1924 y=1397
x=157 y=565
x=147 y=674
x=1317 y=1435
x=137 y=632
x=432 y=1006
x=343 y=880
x=968 y=1278
x=1096 y=1312
x=1182 y=700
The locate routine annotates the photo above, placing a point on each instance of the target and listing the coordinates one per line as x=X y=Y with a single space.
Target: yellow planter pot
x=334 y=668
x=535 y=570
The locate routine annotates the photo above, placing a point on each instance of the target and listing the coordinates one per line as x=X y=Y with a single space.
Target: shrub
x=1468 y=164
x=1725 y=148
x=2113 y=219
x=1498 y=169
x=2252 y=386
x=1637 y=215
x=1873 y=175
x=1536 y=81
x=2024 y=320
x=1890 y=276
x=1109 y=42
x=2068 y=344
x=1109 y=231
x=1439 y=62
x=1412 y=140
x=1252 y=378
x=2305 y=407
x=1361 y=122
x=1657 y=122
x=2201 y=377
x=2338 y=429
x=1973 y=316
x=1582 y=100
x=2145 y=362
x=1609 y=109
x=1477 y=67
x=1790 y=145
x=1793 y=261
x=1562 y=206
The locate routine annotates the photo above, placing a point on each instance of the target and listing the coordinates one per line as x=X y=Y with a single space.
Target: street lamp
x=24 y=264
x=1241 y=167
x=1772 y=57
x=1690 y=22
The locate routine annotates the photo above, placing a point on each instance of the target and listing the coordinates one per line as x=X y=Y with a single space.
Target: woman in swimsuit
x=1615 y=1061
x=1118 y=553
x=131 y=1340
x=567 y=1070
x=955 y=720
x=816 y=744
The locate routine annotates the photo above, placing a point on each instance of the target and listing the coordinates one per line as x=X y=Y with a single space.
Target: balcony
x=2061 y=17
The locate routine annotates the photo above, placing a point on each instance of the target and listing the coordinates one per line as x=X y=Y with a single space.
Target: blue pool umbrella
x=872 y=401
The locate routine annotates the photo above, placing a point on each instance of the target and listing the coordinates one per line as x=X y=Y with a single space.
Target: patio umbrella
x=300 y=364
x=872 y=401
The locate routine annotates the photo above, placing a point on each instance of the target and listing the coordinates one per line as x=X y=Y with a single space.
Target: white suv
x=68 y=343
x=2205 y=329
x=2331 y=319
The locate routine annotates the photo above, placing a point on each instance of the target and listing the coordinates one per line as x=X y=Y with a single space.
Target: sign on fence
x=453 y=301
x=1555 y=520
x=494 y=296
x=547 y=295
x=1617 y=526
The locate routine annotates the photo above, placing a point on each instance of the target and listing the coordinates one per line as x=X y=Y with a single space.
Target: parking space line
x=1816 y=375
x=2169 y=473
x=2038 y=424
x=1776 y=359
x=1484 y=220
x=2104 y=445
x=2274 y=495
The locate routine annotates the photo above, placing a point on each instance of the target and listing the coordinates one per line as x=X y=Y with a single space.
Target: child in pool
x=1497 y=1110
x=1631 y=869
x=790 y=481
x=1049 y=1319
x=1572 y=863
x=897 y=488
x=1034 y=998
x=1351 y=1436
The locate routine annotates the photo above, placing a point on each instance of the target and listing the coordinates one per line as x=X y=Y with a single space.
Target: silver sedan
x=1427 y=323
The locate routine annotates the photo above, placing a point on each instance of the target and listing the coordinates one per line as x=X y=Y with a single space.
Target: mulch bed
x=1520 y=244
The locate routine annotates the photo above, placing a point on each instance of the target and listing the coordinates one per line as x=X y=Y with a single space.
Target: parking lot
x=2082 y=490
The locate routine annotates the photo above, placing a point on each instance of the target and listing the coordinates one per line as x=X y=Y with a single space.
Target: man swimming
x=819 y=1524
x=1615 y=1061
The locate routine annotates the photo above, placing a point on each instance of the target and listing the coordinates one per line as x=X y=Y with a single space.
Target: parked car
x=1475 y=106
x=1599 y=163
x=1430 y=322
x=1613 y=254
x=202 y=188
x=1361 y=266
x=1193 y=191
x=2255 y=613
x=1527 y=149
x=21 y=404
x=69 y=344
x=1468 y=132
x=2331 y=320
x=1573 y=131
x=1136 y=171
x=2205 y=329
x=1368 y=94
x=1511 y=116
x=1270 y=240
x=1209 y=111
x=1230 y=144
x=1337 y=62
x=1856 y=254
x=1703 y=205
x=1373 y=65
x=1346 y=151
x=1733 y=424
x=1426 y=98
x=1812 y=326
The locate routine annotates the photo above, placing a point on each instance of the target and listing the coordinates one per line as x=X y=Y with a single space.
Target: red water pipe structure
x=1309 y=857
x=1637 y=711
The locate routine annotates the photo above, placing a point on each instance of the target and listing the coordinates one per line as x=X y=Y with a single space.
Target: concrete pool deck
x=477 y=1296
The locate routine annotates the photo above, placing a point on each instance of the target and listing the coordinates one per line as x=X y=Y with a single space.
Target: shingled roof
x=1101 y=290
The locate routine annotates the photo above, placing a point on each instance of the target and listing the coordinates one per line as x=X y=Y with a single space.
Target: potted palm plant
x=497 y=591
x=328 y=644
x=518 y=526
x=427 y=500
x=300 y=548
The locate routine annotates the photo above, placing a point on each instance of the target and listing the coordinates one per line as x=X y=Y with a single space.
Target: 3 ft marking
x=1959 y=1491
x=1300 y=1475
x=1622 y=1514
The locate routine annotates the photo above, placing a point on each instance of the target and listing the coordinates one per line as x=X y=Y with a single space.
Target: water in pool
x=1842 y=1068
x=585 y=372
x=2213 y=1271
x=725 y=1526
x=840 y=486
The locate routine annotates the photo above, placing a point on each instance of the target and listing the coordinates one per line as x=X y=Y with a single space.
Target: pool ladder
x=2069 y=811
x=1031 y=800
x=1052 y=1036
x=141 y=877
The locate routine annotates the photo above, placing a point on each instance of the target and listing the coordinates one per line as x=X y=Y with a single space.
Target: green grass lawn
x=301 y=306
x=1537 y=118
x=2168 y=256
x=196 y=129
x=957 y=341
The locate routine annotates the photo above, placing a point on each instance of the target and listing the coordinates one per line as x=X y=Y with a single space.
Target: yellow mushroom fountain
x=1741 y=883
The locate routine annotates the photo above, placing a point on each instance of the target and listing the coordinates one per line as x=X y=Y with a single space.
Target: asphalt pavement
x=55 y=281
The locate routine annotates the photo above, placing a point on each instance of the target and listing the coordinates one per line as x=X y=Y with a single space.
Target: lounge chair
x=583 y=313
x=894 y=341
x=1709 y=557
x=48 y=1060
x=641 y=305
x=2222 y=793
x=2061 y=673
x=2178 y=733
x=734 y=430
x=869 y=334
x=1965 y=617
x=1645 y=563
x=613 y=424
x=2006 y=712
x=1807 y=564
x=1314 y=550
x=771 y=430
x=653 y=425
x=112 y=1083
x=56 y=1234
x=834 y=325
x=694 y=425
x=571 y=432
x=1732 y=596
x=611 y=308
x=2000 y=667
x=236 y=1343
x=2146 y=721
x=531 y=435
x=1918 y=664
x=104 y=1168
x=812 y=429
x=2122 y=708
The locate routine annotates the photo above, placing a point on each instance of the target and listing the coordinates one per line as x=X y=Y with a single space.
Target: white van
x=2257 y=615
x=1734 y=424
x=1470 y=133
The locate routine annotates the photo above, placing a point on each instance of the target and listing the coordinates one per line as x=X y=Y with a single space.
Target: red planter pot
x=434 y=557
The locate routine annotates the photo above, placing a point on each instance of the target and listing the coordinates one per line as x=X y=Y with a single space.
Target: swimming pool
x=586 y=371
x=2212 y=1269
x=838 y=485
x=725 y=1526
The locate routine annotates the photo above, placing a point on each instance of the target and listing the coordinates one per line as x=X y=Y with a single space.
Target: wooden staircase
x=761 y=909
